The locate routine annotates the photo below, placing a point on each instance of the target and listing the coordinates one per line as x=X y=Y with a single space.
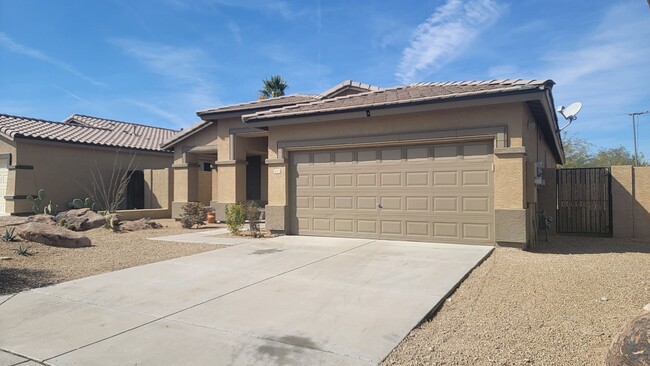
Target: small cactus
x=37 y=201
x=86 y=203
x=48 y=209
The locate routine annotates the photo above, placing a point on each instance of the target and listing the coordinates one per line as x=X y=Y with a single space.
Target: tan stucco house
x=59 y=156
x=445 y=161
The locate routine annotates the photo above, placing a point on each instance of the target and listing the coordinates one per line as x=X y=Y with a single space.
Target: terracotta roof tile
x=87 y=130
x=400 y=95
x=264 y=103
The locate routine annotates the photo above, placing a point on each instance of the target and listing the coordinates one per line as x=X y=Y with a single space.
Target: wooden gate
x=584 y=201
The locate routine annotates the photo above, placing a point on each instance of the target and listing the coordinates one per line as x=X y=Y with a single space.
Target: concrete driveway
x=287 y=301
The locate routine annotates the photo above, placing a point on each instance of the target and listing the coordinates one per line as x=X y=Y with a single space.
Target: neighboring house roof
x=184 y=134
x=86 y=130
x=401 y=95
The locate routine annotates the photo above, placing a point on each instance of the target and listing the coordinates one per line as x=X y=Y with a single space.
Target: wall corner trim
x=275 y=161
x=185 y=165
x=230 y=162
x=516 y=150
x=20 y=167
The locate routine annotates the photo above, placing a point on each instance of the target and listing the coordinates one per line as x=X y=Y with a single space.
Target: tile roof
x=87 y=130
x=400 y=95
x=264 y=103
x=168 y=143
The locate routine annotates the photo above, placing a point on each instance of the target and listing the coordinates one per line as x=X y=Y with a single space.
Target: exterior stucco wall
x=631 y=201
x=64 y=170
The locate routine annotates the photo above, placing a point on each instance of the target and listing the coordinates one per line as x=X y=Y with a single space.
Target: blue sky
x=158 y=62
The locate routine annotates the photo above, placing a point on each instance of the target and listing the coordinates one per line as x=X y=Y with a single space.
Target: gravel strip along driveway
x=561 y=304
x=110 y=252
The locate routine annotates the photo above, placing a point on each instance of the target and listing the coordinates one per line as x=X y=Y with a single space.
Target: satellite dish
x=569 y=113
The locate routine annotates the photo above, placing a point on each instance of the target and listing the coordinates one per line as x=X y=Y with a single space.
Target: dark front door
x=254 y=178
x=584 y=201
x=135 y=191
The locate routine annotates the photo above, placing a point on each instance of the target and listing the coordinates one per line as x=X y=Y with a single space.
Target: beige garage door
x=440 y=193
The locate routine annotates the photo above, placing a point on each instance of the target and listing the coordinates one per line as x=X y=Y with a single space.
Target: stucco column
x=186 y=182
x=20 y=184
x=231 y=180
x=276 y=209
x=510 y=224
x=215 y=185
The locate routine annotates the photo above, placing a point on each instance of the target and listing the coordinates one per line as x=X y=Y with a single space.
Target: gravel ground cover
x=110 y=252
x=561 y=304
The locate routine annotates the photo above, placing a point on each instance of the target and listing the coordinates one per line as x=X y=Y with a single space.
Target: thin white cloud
x=234 y=29
x=184 y=64
x=185 y=70
x=9 y=44
x=272 y=7
x=445 y=35
x=73 y=95
x=159 y=111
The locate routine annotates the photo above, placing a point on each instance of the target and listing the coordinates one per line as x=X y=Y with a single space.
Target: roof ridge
x=29 y=118
x=118 y=121
x=330 y=100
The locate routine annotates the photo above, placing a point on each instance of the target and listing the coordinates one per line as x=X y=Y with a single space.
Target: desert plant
x=108 y=193
x=112 y=222
x=85 y=203
x=23 y=250
x=9 y=235
x=37 y=201
x=253 y=216
x=235 y=217
x=193 y=214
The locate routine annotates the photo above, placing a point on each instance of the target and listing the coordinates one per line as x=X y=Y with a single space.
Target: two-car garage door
x=441 y=192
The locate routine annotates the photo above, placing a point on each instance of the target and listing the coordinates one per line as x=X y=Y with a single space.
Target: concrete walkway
x=284 y=301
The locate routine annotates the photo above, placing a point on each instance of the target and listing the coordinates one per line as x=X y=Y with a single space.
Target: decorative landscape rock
x=141 y=224
x=632 y=346
x=80 y=219
x=52 y=235
x=42 y=218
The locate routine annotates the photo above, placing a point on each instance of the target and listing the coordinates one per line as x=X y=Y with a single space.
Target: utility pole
x=635 y=115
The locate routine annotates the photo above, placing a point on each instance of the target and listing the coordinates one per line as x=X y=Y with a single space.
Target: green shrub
x=193 y=214
x=235 y=217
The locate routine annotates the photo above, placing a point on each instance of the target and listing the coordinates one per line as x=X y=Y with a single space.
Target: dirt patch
x=562 y=304
x=246 y=234
x=109 y=252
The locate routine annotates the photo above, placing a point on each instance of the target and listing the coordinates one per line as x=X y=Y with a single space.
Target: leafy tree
x=273 y=87
x=579 y=153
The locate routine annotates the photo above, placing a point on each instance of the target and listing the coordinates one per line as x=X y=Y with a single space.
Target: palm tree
x=273 y=87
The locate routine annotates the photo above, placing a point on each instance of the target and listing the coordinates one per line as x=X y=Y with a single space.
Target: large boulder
x=141 y=224
x=52 y=235
x=42 y=218
x=80 y=219
x=632 y=346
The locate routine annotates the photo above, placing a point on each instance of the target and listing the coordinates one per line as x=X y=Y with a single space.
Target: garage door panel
x=417 y=203
x=367 y=203
x=476 y=178
x=437 y=193
x=419 y=228
x=417 y=179
x=445 y=178
x=368 y=227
